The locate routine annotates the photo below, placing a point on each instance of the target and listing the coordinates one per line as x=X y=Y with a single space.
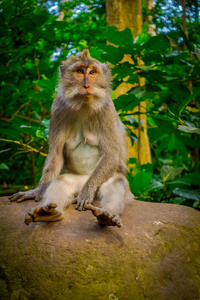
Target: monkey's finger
x=74 y=201
x=25 y=197
x=16 y=196
x=80 y=205
x=13 y=197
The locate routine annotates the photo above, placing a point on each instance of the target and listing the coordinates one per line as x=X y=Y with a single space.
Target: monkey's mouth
x=87 y=97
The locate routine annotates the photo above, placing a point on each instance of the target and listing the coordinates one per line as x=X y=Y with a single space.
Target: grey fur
x=72 y=120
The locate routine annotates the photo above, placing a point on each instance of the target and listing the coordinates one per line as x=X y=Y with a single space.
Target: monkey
x=87 y=148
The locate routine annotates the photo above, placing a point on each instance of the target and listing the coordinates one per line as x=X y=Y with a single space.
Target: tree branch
x=27 y=147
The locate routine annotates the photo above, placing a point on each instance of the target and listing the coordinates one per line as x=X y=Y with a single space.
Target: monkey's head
x=85 y=81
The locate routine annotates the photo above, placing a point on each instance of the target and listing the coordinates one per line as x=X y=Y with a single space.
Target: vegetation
x=34 y=42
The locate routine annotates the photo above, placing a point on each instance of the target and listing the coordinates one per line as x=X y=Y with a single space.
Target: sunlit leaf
x=169 y=173
x=189 y=129
x=3 y=166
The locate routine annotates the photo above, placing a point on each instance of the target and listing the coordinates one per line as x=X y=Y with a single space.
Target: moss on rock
x=155 y=255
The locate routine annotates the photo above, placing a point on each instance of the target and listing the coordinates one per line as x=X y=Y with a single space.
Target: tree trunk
x=122 y=14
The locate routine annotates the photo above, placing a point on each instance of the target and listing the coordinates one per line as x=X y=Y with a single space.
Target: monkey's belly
x=84 y=158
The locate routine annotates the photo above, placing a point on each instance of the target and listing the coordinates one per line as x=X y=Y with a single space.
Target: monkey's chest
x=83 y=152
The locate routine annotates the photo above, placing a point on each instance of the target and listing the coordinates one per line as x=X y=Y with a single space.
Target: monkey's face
x=85 y=81
x=86 y=77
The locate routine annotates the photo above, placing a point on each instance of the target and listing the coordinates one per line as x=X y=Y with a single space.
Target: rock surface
x=154 y=255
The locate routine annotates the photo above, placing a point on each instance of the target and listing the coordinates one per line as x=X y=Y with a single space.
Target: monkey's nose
x=86 y=86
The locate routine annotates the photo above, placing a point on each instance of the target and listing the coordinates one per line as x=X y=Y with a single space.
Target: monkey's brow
x=82 y=65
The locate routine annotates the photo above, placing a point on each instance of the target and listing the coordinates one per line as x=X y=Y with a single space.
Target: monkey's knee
x=112 y=194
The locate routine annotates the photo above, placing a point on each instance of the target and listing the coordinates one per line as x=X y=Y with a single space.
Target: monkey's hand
x=81 y=201
x=35 y=194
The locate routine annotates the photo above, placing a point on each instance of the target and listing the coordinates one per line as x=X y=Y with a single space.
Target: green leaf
x=177 y=200
x=177 y=182
x=140 y=182
x=121 y=73
x=143 y=37
x=45 y=122
x=196 y=204
x=176 y=144
x=189 y=194
x=192 y=178
x=3 y=166
x=187 y=100
x=132 y=160
x=157 y=43
x=113 y=55
x=171 y=144
x=28 y=129
x=147 y=167
x=24 y=85
x=163 y=145
x=155 y=186
x=11 y=133
x=118 y=37
x=7 y=11
x=126 y=102
x=96 y=53
x=169 y=173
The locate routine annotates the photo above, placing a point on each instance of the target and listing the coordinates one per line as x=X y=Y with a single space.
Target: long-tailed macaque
x=86 y=145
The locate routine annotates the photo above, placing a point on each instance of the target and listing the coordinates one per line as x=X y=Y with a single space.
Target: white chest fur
x=83 y=150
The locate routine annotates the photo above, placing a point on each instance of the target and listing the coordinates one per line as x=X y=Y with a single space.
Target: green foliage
x=172 y=94
x=33 y=42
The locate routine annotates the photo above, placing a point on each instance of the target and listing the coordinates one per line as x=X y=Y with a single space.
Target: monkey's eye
x=80 y=71
x=92 y=72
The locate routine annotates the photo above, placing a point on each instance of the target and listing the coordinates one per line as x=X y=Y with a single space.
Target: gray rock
x=154 y=255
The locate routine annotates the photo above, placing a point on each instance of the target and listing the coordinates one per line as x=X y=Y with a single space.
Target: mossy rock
x=154 y=255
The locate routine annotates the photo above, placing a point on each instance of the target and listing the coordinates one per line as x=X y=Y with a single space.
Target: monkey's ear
x=62 y=70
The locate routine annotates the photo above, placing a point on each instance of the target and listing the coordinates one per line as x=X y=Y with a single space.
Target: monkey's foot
x=48 y=213
x=104 y=217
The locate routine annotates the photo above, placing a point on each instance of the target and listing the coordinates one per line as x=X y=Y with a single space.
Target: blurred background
x=153 y=48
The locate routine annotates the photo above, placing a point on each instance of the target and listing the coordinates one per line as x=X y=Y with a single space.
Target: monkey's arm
x=52 y=166
x=113 y=147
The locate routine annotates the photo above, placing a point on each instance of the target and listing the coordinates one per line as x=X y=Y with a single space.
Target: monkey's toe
x=104 y=217
x=28 y=218
x=107 y=219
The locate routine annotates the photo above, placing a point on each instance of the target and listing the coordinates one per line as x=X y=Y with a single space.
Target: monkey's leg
x=112 y=194
x=57 y=197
